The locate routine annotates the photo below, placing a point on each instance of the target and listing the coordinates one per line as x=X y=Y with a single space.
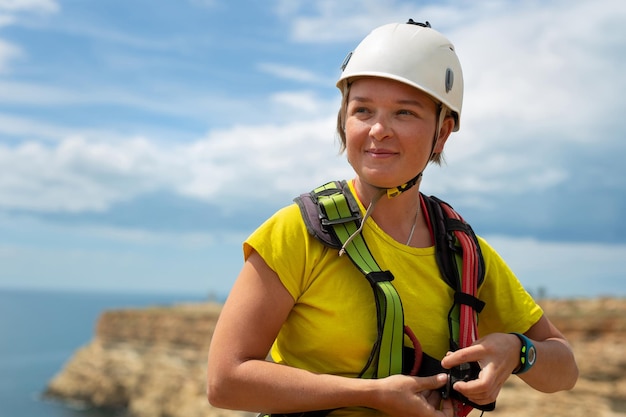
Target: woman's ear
x=444 y=133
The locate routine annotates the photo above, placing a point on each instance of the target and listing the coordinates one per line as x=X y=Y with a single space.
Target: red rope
x=418 y=350
x=468 y=328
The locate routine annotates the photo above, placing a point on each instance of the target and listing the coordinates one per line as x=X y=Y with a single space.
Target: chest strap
x=342 y=217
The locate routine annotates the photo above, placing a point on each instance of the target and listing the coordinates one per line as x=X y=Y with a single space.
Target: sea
x=40 y=331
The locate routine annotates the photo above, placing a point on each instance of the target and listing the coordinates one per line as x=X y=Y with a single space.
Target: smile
x=380 y=153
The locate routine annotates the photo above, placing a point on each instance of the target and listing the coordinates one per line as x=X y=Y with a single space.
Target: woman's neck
x=400 y=217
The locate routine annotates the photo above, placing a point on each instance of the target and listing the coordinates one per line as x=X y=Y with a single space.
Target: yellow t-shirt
x=332 y=326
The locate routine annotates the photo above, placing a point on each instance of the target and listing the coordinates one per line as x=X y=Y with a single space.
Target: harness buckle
x=327 y=222
x=375 y=277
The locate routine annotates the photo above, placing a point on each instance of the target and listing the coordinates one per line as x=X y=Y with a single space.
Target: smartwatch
x=528 y=354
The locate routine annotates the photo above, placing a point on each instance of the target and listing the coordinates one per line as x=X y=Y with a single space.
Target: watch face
x=532 y=355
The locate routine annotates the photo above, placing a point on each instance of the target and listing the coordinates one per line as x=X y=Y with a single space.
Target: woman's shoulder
x=286 y=220
x=288 y=216
x=487 y=250
x=277 y=234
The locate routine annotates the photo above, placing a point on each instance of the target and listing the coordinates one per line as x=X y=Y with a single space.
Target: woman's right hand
x=401 y=395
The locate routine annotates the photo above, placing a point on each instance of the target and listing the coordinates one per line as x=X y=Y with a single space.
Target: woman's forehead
x=372 y=88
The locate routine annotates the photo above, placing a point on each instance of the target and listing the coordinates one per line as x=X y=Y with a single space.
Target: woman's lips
x=380 y=153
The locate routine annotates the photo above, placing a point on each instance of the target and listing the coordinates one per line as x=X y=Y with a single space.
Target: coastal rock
x=152 y=363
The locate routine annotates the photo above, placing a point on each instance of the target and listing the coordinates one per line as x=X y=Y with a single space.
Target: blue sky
x=142 y=141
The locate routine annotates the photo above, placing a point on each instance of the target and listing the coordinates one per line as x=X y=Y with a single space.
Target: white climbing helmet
x=412 y=53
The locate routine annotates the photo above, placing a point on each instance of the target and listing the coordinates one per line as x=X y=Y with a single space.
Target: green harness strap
x=332 y=215
x=387 y=351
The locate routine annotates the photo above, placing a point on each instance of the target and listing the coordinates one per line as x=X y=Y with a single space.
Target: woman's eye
x=357 y=110
x=406 y=112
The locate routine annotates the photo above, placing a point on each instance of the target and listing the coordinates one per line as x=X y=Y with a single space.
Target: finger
x=433 y=397
x=479 y=393
x=470 y=387
x=468 y=354
x=432 y=382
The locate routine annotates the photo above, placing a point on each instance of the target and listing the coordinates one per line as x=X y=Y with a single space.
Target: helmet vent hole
x=344 y=64
x=449 y=79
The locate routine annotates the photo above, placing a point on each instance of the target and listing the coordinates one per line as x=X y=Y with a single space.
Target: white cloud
x=336 y=21
x=539 y=94
x=77 y=175
x=541 y=73
x=534 y=83
x=38 y=6
x=183 y=102
x=15 y=92
x=19 y=126
x=302 y=104
x=43 y=95
x=525 y=63
x=11 y=11
x=8 y=52
x=538 y=87
x=250 y=160
x=292 y=73
x=6 y=20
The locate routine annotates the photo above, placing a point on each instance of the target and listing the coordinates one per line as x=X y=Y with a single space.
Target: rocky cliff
x=152 y=362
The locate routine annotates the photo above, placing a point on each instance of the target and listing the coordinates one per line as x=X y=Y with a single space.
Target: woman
x=402 y=94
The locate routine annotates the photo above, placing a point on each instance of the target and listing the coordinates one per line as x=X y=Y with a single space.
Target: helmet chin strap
x=396 y=191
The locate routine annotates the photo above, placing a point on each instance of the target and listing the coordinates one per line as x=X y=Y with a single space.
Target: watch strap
x=528 y=354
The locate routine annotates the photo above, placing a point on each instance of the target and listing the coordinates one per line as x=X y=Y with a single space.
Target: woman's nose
x=380 y=130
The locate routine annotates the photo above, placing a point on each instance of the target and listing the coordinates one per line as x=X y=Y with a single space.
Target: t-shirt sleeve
x=508 y=306
x=282 y=241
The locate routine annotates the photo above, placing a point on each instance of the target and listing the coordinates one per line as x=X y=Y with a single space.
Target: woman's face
x=389 y=128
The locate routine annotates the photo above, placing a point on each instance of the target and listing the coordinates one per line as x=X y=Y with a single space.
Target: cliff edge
x=152 y=363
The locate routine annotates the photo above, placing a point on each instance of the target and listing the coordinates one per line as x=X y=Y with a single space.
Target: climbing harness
x=332 y=215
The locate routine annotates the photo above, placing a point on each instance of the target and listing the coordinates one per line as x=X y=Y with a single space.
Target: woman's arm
x=240 y=378
x=555 y=369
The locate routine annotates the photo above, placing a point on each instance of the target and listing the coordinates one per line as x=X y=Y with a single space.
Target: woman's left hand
x=497 y=354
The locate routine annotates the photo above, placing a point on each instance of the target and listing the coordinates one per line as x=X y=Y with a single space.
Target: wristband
x=528 y=354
